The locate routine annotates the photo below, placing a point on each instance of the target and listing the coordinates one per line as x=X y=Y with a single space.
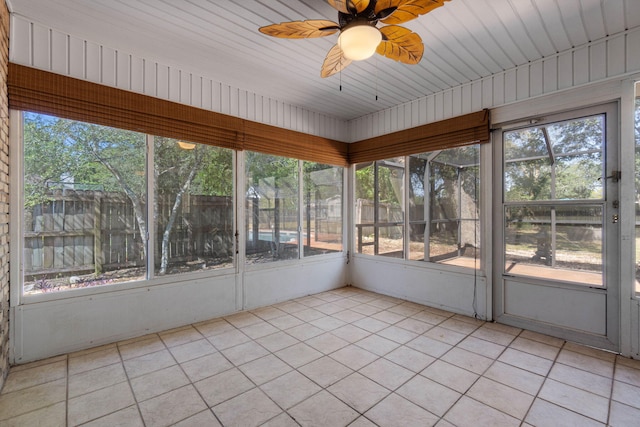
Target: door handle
x=615 y=218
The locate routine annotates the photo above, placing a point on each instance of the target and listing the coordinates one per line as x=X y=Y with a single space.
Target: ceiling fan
x=359 y=36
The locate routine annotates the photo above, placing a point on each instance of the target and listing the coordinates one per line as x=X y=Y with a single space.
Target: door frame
x=611 y=237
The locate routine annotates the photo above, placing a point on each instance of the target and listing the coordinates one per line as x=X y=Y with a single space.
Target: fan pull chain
x=376 y=78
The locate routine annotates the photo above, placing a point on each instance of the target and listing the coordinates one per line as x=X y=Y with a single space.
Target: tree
x=174 y=171
x=558 y=161
x=115 y=160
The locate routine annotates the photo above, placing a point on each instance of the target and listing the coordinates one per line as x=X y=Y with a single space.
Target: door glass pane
x=365 y=208
x=558 y=161
x=193 y=207
x=564 y=162
x=454 y=235
x=271 y=208
x=84 y=204
x=322 y=209
x=555 y=242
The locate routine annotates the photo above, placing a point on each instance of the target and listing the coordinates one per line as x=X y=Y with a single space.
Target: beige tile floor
x=344 y=357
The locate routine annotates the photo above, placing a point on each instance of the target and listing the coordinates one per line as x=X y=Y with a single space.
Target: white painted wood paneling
x=48 y=328
x=608 y=59
x=435 y=287
x=108 y=63
x=92 y=58
x=465 y=40
x=123 y=73
x=565 y=70
x=38 y=46
x=137 y=74
x=581 y=310
x=272 y=284
x=59 y=55
x=55 y=327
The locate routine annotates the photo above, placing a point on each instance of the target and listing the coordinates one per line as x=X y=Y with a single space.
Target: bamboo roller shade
x=455 y=132
x=44 y=92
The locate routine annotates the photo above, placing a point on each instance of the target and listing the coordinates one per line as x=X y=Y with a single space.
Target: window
x=379 y=210
x=193 y=206
x=275 y=230
x=86 y=208
x=443 y=194
x=84 y=215
x=322 y=209
x=441 y=201
x=271 y=208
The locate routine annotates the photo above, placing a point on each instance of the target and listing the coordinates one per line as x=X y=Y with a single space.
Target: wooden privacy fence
x=80 y=231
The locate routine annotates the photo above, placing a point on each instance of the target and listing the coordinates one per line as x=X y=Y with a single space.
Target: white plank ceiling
x=465 y=40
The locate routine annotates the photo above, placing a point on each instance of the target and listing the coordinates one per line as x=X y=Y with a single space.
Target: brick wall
x=4 y=194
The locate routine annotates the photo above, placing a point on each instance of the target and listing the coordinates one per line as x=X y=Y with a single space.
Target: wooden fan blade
x=349 y=6
x=400 y=44
x=301 y=29
x=334 y=62
x=400 y=11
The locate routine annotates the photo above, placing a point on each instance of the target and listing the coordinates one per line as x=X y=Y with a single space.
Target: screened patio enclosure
x=433 y=194
x=444 y=200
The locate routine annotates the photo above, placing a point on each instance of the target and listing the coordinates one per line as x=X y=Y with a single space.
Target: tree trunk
x=164 y=260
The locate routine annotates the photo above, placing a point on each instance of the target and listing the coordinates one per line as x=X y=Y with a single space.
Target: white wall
x=35 y=45
x=78 y=320
x=610 y=58
x=266 y=286
x=441 y=287
x=59 y=326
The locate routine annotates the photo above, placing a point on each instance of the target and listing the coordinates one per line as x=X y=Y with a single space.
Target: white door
x=557 y=226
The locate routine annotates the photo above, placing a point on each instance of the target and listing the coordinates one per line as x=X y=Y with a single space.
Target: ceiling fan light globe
x=359 y=42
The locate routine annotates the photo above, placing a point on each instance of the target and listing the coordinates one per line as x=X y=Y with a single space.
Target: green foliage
x=558 y=161
x=390 y=181
x=215 y=176
x=270 y=178
x=59 y=151
x=321 y=180
x=365 y=182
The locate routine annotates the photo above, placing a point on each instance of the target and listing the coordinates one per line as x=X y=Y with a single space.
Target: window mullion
x=150 y=238
x=300 y=209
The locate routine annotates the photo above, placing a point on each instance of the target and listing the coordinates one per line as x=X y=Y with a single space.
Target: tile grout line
x=135 y=398
x=388 y=308
x=546 y=378
x=191 y=383
x=535 y=397
x=442 y=418
x=66 y=403
x=613 y=383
